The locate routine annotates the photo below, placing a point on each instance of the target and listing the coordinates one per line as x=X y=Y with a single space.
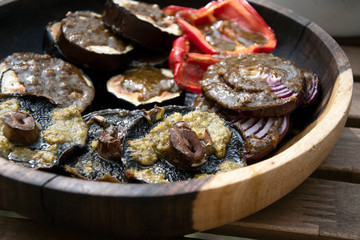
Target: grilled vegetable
x=262 y=134
x=101 y=160
x=34 y=133
x=142 y=23
x=255 y=84
x=145 y=85
x=41 y=75
x=226 y=27
x=81 y=37
x=166 y=149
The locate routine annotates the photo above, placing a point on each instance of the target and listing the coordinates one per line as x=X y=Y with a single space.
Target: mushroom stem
x=20 y=128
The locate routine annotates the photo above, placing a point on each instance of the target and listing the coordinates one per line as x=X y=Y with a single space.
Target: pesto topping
x=156 y=143
x=5 y=146
x=67 y=126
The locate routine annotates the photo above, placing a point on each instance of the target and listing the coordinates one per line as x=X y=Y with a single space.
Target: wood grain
x=354 y=114
x=353 y=54
x=21 y=189
x=315 y=210
x=343 y=162
x=26 y=229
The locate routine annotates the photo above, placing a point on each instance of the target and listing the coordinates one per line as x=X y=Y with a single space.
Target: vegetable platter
x=133 y=209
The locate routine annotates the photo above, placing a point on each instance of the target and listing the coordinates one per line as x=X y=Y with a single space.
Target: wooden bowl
x=134 y=210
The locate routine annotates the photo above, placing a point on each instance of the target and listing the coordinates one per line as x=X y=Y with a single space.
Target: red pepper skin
x=188 y=68
x=172 y=10
x=239 y=11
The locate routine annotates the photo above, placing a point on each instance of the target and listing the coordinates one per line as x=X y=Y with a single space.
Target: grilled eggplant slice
x=101 y=160
x=42 y=75
x=54 y=131
x=82 y=38
x=142 y=23
x=149 y=153
x=145 y=85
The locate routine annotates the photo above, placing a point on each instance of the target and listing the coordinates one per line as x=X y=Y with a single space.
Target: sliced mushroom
x=186 y=150
x=20 y=128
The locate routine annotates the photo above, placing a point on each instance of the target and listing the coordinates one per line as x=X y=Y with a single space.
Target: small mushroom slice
x=101 y=160
x=166 y=147
x=145 y=86
x=42 y=75
x=82 y=38
x=35 y=133
x=142 y=23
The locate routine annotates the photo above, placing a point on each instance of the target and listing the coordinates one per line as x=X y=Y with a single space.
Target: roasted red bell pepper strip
x=226 y=13
x=188 y=67
x=172 y=10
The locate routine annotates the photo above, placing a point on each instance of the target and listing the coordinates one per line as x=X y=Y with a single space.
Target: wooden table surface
x=325 y=206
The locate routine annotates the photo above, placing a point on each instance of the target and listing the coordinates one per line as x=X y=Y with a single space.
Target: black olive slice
x=255 y=84
x=147 y=148
x=42 y=75
x=142 y=23
x=101 y=160
x=35 y=133
x=186 y=150
x=82 y=38
x=20 y=128
x=145 y=85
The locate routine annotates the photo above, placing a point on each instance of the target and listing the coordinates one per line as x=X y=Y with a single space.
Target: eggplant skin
x=57 y=44
x=130 y=26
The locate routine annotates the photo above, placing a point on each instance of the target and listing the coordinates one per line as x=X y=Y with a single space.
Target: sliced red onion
x=276 y=86
x=260 y=128
x=284 y=126
x=311 y=88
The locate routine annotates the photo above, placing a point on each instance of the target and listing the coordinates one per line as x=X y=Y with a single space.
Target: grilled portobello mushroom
x=177 y=143
x=101 y=160
x=35 y=133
